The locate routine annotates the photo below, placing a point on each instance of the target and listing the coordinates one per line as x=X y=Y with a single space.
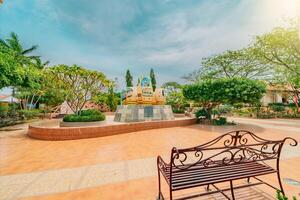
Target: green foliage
x=3 y=111
x=202 y=113
x=90 y=115
x=77 y=84
x=231 y=64
x=225 y=91
x=177 y=101
x=29 y=114
x=219 y=121
x=170 y=87
x=222 y=110
x=110 y=98
x=262 y=115
x=128 y=79
x=280 y=196
x=153 y=79
x=277 y=108
x=14 y=60
x=90 y=112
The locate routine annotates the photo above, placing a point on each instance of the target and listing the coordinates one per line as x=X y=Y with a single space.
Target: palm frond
x=2 y=42
x=31 y=49
x=14 y=43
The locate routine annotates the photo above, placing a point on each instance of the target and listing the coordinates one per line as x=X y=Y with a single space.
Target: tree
x=211 y=93
x=281 y=49
x=79 y=85
x=32 y=88
x=128 y=78
x=20 y=54
x=11 y=71
x=177 y=101
x=153 y=80
x=231 y=64
x=14 y=60
x=170 y=87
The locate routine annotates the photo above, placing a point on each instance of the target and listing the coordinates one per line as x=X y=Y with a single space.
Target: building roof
x=8 y=98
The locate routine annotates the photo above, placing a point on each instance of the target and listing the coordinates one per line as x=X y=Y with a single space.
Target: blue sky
x=171 y=36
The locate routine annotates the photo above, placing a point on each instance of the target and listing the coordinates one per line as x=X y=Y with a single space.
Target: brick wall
x=71 y=133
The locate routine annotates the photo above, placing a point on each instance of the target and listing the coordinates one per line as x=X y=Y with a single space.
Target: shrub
x=90 y=112
x=3 y=111
x=220 y=121
x=266 y=115
x=202 y=113
x=280 y=196
x=90 y=115
x=295 y=115
x=275 y=104
x=29 y=114
x=177 y=110
x=278 y=108
x=222 y=110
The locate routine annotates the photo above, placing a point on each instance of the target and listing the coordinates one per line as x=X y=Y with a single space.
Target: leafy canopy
x=78 y=84
x=211 y=93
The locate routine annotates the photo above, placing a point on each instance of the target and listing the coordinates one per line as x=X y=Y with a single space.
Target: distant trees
x=128 y=78
x=274 y=57
x=171 y=86
x=231 y=64
x=153 y=79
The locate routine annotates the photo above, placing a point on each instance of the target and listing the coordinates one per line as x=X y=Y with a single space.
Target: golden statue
x=143 y=94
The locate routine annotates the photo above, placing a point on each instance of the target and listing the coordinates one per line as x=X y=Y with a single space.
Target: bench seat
x=197 y=175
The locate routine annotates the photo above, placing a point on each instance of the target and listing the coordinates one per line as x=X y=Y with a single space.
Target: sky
x=170 y=36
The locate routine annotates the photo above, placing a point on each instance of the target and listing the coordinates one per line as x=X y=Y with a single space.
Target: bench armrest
x=162 y=165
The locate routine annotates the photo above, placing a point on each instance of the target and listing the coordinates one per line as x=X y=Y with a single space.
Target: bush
x=220 y=121
x=278 y=108
x=280 y=196
x=275 y=104
x=90 y=115
x=3 y=111
x=202 y=113
x=295 y=115
x=222 y=110
x=266 y=115
x=90 y=112
x=177 y=110
x=28 y=114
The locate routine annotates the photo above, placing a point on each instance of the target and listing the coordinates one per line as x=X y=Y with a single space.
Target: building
x=278 y=94
x=6 y=99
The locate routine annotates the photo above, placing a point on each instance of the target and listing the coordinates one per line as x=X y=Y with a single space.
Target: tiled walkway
x=122 y=166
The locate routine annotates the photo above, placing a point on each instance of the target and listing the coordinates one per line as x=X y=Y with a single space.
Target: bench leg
x=248 y=180
x=280 y=184
x=171 y=196
x=207 y=188
x=231 y=188
x=159 y=197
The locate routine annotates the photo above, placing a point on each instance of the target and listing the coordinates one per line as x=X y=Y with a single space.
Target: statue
x=141 y=103
x=143 y=94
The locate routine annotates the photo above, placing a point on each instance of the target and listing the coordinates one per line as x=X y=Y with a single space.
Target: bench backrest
x=231 y=148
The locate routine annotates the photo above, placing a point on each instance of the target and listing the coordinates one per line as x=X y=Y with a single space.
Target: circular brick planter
x=71 y=133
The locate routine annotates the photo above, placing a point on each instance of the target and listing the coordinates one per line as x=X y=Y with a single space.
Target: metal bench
x=232 y=156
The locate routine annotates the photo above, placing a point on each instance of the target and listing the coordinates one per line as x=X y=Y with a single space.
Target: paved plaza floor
x=124 y=166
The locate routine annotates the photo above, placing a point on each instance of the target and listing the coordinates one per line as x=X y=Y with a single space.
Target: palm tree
x=39 y=64
x=13 y=44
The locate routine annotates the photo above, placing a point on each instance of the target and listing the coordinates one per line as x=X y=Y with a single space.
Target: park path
x=121 y=166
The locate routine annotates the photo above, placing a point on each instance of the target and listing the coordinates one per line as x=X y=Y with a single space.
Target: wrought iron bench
x=232 y=156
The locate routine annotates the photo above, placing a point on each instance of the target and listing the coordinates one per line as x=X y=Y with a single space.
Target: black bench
x=232 y=156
